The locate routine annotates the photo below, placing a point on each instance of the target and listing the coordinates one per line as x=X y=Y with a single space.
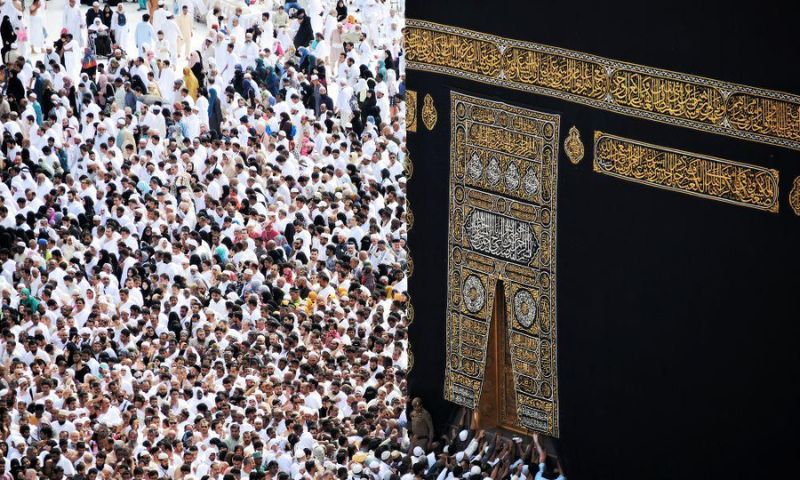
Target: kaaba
x=606 y=229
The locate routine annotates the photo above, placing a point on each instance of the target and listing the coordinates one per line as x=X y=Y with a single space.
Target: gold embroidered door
x=501 y=335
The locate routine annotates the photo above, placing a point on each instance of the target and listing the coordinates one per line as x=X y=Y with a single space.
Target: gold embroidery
x=794 y=196
x=429 y=114
x=529 y=67
x=411 y=110
x=503 y=140
x=765 y=116
x=679 y=171
x=461 y=52
x=503 y=225
x=409 y=171
x=689 y=101
x=573 y=146
x=666 y=96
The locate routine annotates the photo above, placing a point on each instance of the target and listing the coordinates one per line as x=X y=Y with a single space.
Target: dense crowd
x=202 y=248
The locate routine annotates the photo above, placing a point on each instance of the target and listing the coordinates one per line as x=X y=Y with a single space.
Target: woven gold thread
x=684 y=100
x=690 y=173
x=794 y=196
x=411 y=110
x=573 y=146
x=429 y=114
x=503 y=177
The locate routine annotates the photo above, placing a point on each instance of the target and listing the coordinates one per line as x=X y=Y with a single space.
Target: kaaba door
x=498 y=403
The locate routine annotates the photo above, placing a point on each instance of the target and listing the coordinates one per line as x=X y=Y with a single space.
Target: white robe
x=160 y=20
x=166 y=81
x=73 y=21
x=202 y=107
x=226 y=64
x=267 y=37
x=171 y=34
x=343 y=102
x=36 y=28
x=248 y=55
x=72 y=58
x=120 y=31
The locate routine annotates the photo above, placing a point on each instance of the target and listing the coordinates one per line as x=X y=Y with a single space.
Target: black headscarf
x=7 y=31
x=341 y=10
x=197 y=69
x=106 y=15
x=305 y=34
x=15 y=89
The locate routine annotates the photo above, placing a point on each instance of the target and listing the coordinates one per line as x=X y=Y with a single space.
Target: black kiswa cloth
x=675 y=334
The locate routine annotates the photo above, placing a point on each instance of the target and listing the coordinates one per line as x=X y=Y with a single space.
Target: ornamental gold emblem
x=794 y=196
x=573 y=146
x=429 y=115
x=524 y=308
x=411 y=110
x=474 y=294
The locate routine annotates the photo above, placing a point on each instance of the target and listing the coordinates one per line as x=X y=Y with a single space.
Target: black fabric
x=677 y=331
x=305 y=33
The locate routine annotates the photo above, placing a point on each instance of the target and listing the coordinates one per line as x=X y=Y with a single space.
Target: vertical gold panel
x=411 y=110
x=503 y=177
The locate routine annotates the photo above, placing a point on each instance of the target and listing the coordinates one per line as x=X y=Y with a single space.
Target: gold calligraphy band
x=690 y=101
x=685 y=172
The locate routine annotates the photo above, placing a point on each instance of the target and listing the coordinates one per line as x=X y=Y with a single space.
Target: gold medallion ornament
x=794 y=196
x=429 y=115
x=411 y=110
x=573 y=146
x=691 y=173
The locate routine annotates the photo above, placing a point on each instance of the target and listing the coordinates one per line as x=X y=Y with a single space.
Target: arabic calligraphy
x=573 y=146
x=474 y=294
x=764 y=116
x=429 y=114
x=503 y=178
x=699 y=175
x=501 y=236
x=684 y=100
x=461 y=52
x=411 y=110
x=524 y=308
x=506 y=141
x=666 y=96
x=587 y=79
x=794 y=196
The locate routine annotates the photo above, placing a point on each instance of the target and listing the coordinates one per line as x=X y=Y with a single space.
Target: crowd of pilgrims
x=203 y=261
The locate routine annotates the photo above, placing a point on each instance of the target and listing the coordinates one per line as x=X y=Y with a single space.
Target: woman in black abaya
x=305 y=34
x=9 y=36
x=341 y=11
x=14 y=90
x=196 y=65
